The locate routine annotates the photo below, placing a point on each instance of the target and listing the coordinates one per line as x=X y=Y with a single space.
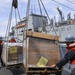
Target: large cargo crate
x=40 y=53
x=12 y=53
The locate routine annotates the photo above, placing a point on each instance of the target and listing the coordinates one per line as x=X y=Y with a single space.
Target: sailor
x=69 y=56
x=12 y=40
x=1 y=46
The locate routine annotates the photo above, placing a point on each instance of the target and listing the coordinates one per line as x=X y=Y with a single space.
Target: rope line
x=63 y=5
x=48 y=16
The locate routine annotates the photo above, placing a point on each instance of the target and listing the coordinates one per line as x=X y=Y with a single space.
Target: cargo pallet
x=42 y=71
x=16 y=65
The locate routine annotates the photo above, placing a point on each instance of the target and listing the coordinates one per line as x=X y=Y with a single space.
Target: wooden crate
x=36 y=47
x=14 y=52
x=42 y=35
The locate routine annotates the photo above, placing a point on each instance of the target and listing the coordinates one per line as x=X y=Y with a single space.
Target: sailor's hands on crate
x=53 y=66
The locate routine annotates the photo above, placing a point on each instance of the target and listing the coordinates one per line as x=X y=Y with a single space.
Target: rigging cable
x=40 y=7
x=15 y=17
x=15 y=5
x=47 y=15
x=16 y=22
x=9 y=23
x=26 y=22
x=63 y=5
x=41 y=14
x=25 y=33
x=71 y=2
x=8 y=29
x=19 y=14
x=28 y=8
x=45 y=9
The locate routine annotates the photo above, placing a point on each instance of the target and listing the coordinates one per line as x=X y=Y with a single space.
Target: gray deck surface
x=13 y=71
x=20 y=71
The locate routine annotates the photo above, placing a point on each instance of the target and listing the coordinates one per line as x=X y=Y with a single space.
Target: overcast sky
x=5 y=7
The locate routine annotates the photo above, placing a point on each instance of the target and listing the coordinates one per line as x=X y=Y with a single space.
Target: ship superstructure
x=63 y=28
x=35 y=23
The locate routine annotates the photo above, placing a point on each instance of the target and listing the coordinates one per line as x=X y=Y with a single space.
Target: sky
x=50 y=5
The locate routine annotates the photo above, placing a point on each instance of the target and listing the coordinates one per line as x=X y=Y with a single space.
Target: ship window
x=67 y=28
x=56 y=29
x=63 y=29
x=70 y=28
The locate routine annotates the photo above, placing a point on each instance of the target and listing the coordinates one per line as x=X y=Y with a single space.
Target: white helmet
x=70 y=38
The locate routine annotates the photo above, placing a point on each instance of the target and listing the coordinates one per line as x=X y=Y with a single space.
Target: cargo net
x=14 y=53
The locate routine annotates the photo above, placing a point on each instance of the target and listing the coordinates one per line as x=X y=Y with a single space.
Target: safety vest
x=12 y=40
x=0 y=41
x=71 y=47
